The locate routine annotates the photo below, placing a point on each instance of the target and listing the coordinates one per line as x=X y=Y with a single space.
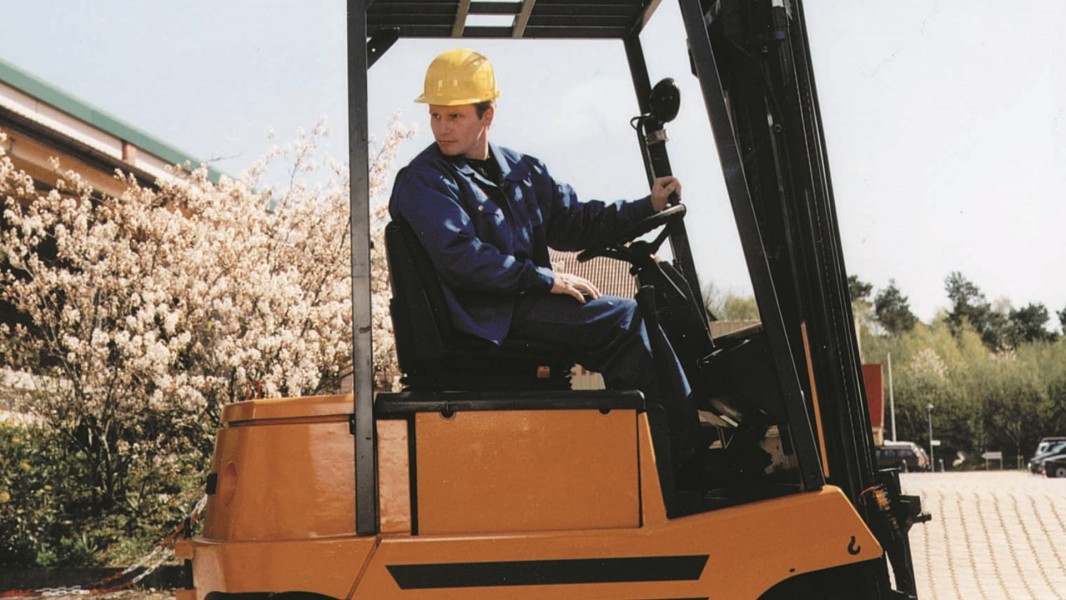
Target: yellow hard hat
x=457 y=77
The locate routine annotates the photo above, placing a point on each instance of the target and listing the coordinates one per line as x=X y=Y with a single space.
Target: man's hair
x=481 y=107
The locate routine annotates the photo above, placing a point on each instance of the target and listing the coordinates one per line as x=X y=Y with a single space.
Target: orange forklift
x=488 y=477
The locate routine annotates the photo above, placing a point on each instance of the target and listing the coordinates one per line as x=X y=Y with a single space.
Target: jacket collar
x=495 y=152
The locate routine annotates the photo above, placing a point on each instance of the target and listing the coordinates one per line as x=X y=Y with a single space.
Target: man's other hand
x=572 y=285
x=661 y=190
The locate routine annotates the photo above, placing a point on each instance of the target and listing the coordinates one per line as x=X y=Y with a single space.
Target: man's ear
x=490 y=112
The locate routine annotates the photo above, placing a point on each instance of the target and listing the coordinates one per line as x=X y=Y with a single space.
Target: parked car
x=905 y=456
x=1054 y=466
x=1048 y=446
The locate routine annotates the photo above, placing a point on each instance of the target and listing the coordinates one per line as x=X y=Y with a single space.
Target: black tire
x=860 y=581
x=1056 y=470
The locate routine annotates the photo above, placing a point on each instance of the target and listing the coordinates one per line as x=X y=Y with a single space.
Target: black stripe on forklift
x=412 y=471
x=548 y=572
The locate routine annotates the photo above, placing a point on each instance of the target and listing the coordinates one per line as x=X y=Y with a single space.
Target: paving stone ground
x=997 y=535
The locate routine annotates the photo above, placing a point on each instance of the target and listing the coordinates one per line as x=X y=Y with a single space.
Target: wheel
x=861 y=581
x=607 y=246
x=1056 y=470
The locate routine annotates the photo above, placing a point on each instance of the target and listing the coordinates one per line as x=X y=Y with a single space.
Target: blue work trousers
x=609 y=336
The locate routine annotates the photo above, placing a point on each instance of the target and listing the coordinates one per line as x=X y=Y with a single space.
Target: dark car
x=1054 y=466
x=905 y=456
x=1049 y=446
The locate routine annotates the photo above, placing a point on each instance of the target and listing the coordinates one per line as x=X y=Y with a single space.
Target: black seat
x=434 y=356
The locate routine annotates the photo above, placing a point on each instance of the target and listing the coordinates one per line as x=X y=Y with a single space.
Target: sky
x=945 y=121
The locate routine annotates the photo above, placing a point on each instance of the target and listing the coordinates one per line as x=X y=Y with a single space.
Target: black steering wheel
x=614 y=244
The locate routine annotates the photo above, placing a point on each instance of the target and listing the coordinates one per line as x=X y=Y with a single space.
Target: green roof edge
x=32 y=86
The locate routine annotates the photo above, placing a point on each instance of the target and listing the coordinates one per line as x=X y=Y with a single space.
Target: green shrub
x=33 y=476
x=51 y=515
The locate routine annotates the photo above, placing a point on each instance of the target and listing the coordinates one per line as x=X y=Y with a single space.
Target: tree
x=969 y=307
x=728 y=306
x=149 y=311
x=740 y=308
x=712 y=300
x=1027 y=324
x=385 y=364
x=859 y=290
x=968 y=304
x=893 y=310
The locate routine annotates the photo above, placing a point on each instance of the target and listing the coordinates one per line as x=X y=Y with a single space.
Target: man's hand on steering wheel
x=661 y=190
x=573 y=285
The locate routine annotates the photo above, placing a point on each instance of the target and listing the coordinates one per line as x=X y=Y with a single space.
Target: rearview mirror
x=665 y=100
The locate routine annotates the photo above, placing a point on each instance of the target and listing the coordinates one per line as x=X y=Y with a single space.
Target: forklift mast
x=758 y=87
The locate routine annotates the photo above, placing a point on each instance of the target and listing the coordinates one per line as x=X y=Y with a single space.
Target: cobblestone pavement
x=997 y=535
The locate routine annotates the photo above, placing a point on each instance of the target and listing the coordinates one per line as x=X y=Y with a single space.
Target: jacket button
x=481 y=208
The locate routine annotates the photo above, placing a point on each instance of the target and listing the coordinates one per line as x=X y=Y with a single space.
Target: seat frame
x=434 y=356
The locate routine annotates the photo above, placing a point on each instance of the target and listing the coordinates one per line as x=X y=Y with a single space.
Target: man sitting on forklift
x=486 y=216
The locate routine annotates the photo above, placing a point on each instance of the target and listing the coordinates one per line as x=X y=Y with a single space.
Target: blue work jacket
x=488 y=243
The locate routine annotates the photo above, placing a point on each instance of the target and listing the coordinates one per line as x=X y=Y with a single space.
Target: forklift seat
x=433 y=356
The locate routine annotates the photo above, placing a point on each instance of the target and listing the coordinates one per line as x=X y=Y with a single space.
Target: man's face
x=459 y=131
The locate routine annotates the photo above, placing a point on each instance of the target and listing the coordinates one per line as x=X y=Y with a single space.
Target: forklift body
x=515 y=486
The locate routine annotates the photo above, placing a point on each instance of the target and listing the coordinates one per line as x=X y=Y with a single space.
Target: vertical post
x=366 y=498
x=932 y=461
x=891 y=398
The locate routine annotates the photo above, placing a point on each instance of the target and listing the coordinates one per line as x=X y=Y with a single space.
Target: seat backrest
x=433 y=355
x=420 y=317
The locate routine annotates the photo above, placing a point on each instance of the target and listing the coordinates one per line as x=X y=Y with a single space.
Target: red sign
x=875 y=393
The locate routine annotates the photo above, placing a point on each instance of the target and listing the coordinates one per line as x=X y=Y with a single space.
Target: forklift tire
x=849 y=582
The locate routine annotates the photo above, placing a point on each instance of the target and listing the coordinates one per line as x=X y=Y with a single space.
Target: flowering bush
x=144 y=314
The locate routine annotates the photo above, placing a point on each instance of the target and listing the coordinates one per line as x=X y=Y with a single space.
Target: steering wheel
x=612 y=245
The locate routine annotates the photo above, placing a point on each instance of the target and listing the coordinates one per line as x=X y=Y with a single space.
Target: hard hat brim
x=423 y=99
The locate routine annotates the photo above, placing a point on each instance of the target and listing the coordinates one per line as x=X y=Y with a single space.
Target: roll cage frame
x=752 y=60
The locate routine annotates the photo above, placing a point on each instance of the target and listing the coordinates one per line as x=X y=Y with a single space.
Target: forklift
x=488 y=477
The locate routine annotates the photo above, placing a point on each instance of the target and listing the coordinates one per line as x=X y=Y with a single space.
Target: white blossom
x=168 y=303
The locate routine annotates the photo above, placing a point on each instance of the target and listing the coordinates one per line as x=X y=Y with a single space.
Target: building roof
x=41 y=110
x=609 y=275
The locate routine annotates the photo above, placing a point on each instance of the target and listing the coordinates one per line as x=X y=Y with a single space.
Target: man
x=486 y=216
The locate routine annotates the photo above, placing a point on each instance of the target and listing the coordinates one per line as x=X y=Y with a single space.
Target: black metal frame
x=777 y=177
x=395 y=405
x=366 y=471
x=587 y=19
x=384 y=13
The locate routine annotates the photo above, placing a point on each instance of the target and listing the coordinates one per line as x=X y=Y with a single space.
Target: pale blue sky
x=945 y=121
